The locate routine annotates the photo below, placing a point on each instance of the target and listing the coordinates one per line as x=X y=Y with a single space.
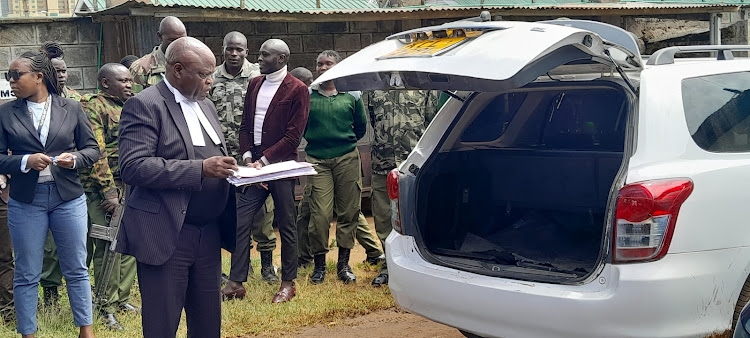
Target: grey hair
x=176 y=51
x=332 y=54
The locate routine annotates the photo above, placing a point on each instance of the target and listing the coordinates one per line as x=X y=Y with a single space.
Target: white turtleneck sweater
x=265 y=95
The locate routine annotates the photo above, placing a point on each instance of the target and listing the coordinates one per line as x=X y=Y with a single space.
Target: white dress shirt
x=195 y=118
x=37 y=110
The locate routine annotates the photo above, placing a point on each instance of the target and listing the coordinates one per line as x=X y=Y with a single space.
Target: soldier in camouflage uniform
x=231 y=79
x=149 y=70
x=103 y=185
x=398 y=118
x=51 y=277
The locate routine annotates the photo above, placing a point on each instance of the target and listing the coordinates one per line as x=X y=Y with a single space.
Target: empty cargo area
x=530 y=194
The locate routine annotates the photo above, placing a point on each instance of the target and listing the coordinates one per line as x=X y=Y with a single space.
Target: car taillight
x=645 y=218
x=392 y=187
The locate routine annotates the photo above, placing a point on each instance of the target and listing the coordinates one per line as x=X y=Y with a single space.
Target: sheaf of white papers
x=276 y=171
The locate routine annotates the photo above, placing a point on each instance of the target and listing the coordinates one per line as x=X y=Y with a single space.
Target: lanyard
x=44 y=116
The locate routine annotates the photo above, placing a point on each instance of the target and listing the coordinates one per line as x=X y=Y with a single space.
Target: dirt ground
x=390 y=323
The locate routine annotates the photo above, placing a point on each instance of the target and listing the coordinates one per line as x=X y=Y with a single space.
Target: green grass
x=314 y=304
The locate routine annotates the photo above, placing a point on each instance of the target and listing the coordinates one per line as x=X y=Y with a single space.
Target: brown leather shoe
x=286 y=293
x=233 y=290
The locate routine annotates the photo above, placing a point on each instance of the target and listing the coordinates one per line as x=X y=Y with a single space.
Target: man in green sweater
x=337 y=120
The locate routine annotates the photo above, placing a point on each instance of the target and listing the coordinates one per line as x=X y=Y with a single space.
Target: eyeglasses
x=15 y=74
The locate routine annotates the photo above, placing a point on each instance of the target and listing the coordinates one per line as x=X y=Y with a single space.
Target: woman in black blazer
x=49 y=137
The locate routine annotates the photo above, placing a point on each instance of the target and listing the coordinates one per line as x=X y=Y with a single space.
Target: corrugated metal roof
x=292 y=5
x=364 y=7
x=527 y=4
x=466 y=3
x=274 y=5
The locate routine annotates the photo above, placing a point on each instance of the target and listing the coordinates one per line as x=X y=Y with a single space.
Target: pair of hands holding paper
x=225 y=166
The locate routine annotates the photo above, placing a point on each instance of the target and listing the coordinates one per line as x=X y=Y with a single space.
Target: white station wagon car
x=567 y=188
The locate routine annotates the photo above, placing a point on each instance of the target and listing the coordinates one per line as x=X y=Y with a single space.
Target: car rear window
x=568 y=119
x=717 y=108
x=492 y=122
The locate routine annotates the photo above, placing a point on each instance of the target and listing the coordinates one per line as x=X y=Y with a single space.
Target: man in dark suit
x=274 y=116
x=180 y=209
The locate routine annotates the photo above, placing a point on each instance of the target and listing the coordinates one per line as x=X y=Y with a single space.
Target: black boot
x=319 y=272
x=110 y=320
x=266 y=267
x=343 y=270
x=51 y=296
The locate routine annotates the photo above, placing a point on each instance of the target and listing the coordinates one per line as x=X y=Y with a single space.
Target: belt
x=45 y=178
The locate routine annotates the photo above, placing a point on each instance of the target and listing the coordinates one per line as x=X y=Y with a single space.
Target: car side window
x=492 y=122
x=717 y=111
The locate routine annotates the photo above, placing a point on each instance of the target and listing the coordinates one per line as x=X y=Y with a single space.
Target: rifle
x=107 y=233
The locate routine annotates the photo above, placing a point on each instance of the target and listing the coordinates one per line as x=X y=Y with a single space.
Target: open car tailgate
x=475 y=56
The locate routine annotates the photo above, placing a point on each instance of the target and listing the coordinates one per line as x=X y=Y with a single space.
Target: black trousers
x=189 y=280
x=285 y=214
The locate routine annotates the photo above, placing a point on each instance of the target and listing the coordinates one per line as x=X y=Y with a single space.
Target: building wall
x=79 y=39
x=305 y=39
x=40 y=8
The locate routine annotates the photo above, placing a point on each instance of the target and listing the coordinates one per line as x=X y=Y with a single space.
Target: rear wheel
x=741 y=302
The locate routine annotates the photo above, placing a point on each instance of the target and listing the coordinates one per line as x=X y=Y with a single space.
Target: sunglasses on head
x=15 y=74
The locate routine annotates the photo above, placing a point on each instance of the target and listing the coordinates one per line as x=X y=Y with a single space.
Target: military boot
x=319 y=271
x=266 y=267
x=343 y=270
x=51 y=296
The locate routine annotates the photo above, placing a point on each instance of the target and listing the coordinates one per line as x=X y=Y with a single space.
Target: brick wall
x=305 y=39
x=79 y=39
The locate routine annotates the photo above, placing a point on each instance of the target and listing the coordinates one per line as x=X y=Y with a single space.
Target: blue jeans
x=28 y=225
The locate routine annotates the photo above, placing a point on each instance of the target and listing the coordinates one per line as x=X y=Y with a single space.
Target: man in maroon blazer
x=274 y=117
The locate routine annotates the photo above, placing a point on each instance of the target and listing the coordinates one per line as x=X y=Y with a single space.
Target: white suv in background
x=567 y=189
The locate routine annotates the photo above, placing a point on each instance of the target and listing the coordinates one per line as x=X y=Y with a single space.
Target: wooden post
x=318 y=3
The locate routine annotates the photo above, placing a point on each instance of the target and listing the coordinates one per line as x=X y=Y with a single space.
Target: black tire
x=741 y=302
x=469 y=334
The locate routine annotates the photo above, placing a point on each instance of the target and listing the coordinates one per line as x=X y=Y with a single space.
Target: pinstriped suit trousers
x=190 y=280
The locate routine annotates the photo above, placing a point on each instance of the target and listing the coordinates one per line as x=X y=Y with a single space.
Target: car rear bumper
x=689 y=294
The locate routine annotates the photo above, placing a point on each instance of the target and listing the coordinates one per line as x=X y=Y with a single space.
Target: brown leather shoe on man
x=286 y=292
x=233 y=290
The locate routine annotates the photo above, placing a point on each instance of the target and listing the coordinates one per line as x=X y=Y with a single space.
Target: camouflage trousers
x=381 y=211
x=124 y=269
